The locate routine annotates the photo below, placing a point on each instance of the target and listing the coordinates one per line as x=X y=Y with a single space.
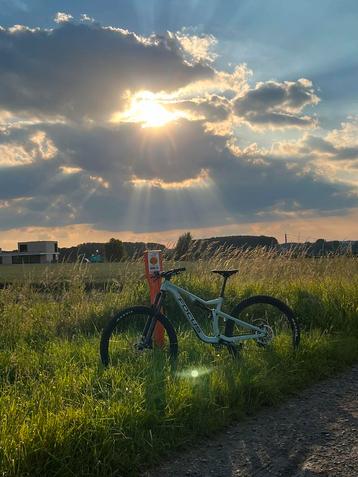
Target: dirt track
x=314 y=434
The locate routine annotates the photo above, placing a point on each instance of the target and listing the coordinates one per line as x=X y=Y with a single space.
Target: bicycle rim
x=123 y=341
x=271 y=315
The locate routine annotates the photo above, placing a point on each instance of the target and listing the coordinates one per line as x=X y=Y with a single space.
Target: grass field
x=62 y=414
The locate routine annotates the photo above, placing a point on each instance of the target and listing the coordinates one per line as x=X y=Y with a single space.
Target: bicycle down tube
x=216 y=313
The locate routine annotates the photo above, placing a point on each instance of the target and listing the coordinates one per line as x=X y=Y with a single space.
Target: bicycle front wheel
x=270 y=314
x=124 y=336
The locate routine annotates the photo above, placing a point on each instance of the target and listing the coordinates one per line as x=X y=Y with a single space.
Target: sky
x=144 y=119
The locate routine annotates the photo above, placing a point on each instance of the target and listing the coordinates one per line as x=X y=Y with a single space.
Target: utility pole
x=286 y=238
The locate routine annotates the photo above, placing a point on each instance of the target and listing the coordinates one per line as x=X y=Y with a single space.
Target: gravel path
x=314 y=434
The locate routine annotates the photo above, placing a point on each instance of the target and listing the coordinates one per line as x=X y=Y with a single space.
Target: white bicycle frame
x=216 y=313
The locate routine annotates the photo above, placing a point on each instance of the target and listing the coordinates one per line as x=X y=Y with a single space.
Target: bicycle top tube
x=214 y=306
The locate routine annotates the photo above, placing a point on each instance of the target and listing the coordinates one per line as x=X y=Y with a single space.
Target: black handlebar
x=168 y=274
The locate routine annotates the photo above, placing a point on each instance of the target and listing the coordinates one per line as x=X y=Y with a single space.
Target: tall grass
x=62 y=414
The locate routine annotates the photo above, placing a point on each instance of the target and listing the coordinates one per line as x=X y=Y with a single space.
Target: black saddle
x=225 y=273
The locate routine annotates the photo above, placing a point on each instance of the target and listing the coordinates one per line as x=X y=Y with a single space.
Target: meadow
x=63 y=414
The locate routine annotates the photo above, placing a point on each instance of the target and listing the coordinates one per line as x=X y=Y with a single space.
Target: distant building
x=45 y=251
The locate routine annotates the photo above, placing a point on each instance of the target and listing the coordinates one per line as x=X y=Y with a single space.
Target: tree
x=182 y=246
x=114 y=250
x=319 y=247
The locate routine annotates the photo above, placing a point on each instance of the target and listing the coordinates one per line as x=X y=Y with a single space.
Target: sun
x=146 y=109
x=150 y=113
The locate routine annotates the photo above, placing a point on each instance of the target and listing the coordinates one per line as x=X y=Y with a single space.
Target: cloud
x=197 y=47
x=277 y=105
x=211 y=108
x=339 y=144
x=333 y=156
x=338 y=150
x=86 y=18
x=346 y=137
x=201 y=181
x=64 y=163
x=81 y=71
x=62 y=17
x=175 y=153
x=130 y=178
x=14 y=155
x=303 y=228
x=20 y=146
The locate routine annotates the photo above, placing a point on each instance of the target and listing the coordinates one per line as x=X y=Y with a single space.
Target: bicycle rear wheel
x=123 y=337
x=269 y=313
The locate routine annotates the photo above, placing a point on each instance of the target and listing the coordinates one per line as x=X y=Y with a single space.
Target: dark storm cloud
x=241 y=191
x=82 y=70
x=277 y=104
x=260 y=187
x=39 y=178
x=102 y=193
x=175 y=153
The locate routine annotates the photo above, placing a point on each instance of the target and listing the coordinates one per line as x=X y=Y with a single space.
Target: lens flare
x=194 y=373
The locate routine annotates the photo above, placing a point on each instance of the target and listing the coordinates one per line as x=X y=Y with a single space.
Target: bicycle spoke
x=274 y=319
x=123 y=338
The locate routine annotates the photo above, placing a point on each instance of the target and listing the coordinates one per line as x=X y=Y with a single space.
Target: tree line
x=114 y=250
x=188 y=248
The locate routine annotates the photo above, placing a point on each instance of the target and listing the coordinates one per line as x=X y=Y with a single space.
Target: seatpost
x=223 y=287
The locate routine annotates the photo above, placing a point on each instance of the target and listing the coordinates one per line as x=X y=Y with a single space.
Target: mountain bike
x=260 y=318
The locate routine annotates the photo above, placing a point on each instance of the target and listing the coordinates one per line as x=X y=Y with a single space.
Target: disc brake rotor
x=269 y=335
